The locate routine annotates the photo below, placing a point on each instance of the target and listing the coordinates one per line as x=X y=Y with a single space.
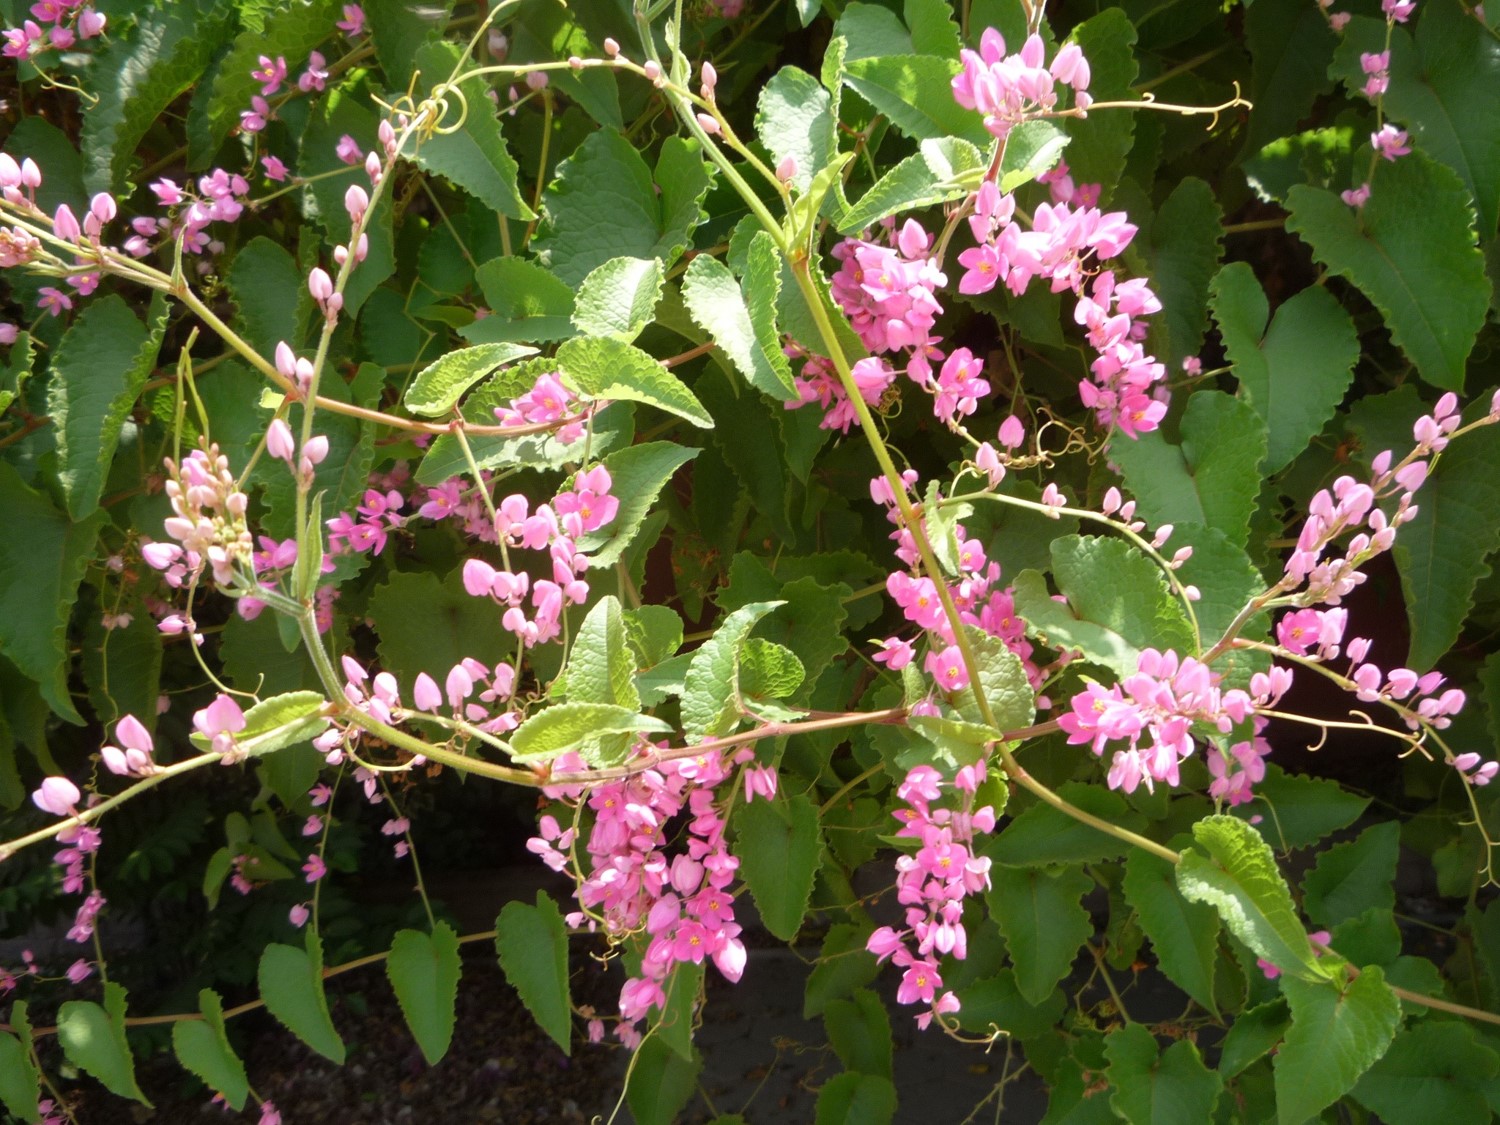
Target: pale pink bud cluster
x=933 y=882
x=219 y=722
x=132 y=758
x=1476 y=771
x=1010 y=89
x=1377 y=69
x=208 y=521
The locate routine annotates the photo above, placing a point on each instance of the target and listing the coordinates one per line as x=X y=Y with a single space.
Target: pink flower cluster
x=932 y=884
x=1238 y=769
x=208 y=520
x=367 y=531
x=682 y=901
x=548 y=402
x=70 y=20
x=1010 y=89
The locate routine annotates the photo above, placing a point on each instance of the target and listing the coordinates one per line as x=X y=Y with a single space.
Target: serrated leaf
x=1354 y=877
x=424 y=971
x=428 y=624
x=101 y=364
x=843 y=966
x=605 y=368
x=276 y=723
x=1434 y=1071
x=42 y=561
x=717 y=306
x=618 y=298
x=660 y=1083
x=1118 y=603
x=1290 y=49
x=1337 y=1033
x=291 y=985
x=1236 y=874
x=138 y=75
x=583 y=727
x=942 y=169
x=399 y=27
x=916 y=93
x=202 y=1046
x=1032 y=148
x=1184 y=935
x=762 y=288
x=1184 y=250
x=527 y=302
x=994 y=1003
x=1211 y=478
x=1042 y=835
x=532 y=944
x=93 y=1039
x=860 y=1031
x=19 y=1078
x=1162 y=1089
x=856 y=1099
x=271 y=301
x=1254 y=1033
x=710 y=699
x=600 y=666
x=603 y=204
x=654 y=632
x=1412 y=251
x=1294 y=374
x=1041 y=916
x=638 y=473
x=779 y=844
x=769 y=670
x=794 y=118
x=438 y=386
x=1292 y=811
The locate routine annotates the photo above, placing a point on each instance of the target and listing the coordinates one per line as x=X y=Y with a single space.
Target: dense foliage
x=778 y=441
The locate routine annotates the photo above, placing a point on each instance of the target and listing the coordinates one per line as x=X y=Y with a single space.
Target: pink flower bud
x=133 y=735
x=611 y=48
x=320 y=285
x=65 y=224
x=58 y=796
x=786 y=171
x=316 y=449
x=709 y=123
x=1012 y=432
x=537 y=80
x=425 y=694
x=279 y=440
x=356 y=202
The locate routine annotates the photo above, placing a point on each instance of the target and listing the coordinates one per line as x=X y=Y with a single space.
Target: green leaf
x=1434 y=1071
x=202 y=1046
x=1226 y=580
x=473 y=156
x=1337 y=1033
x=714 y=301
x=1291 y=46
x=1239 y=878
x=1118 y=603
x=601 y=666
x=916 y=93
x=101 y=364
x=583 y=727
x=1043 y=835
x=1445 y=89
x=276 y=723
x=619 y=298
x=1101 y=140
x=398 y=27
x=1184 y=251
x=1254 y=1033
x=654 y=632
x=843 y=966
x=527 y=302
x=291 y=984
x=1293 y=812
x=778 y=844
x=1351 y=878
x=42 y=561
x=604 y=204
x=794 y=118
x=1212 y=478
x=271 y=301
x=762 y=288
x=1184 y=934
x=532 y=944
x=943 y=169
x=137 y=75
x=1041 y=916
x=769 y=670
x=438 y=386
x=307 y=571
x=638 y=473
x=1411 y=249
x=860 y=1031
x=856 y=1099
x=869 y=30
x=53 y=151
x=424 y=971
x=19 y=1079
x=710 y=700
x=605 y=368
x=1033 y=147
x=1296 y=373
x=1161 y=1089
x=93 y=1039
x=995 y=1003
x=660 y=1083
x=1443 y=553
x=297 y=29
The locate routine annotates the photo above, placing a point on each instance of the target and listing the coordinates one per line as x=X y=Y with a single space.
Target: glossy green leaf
x=710 y=700
x=527 y=302
x=1211 y=478
x=1165 y=1088
x=1041 y=915
x=202 y=1046
x=1253 y=1035
x=1184 y=934
x=1292 y=811
x=100 y=366
x=638 y=473
x=915 y=92
x=660 y=1083
x=1434 y=1071
x=1118 y=603
x=794 y=118
x=438 y=386
x=1293 y=374
x=1412 y=251
x=93 y=1039
x=1338 y=1032
x=856 y=1099
x=943 y=169
x=291 y=985
x=583 y=727
x=996 y=1004
x=42 y=561
x=1291 y=46
x=602 y=367
x=1236 y=874
x=618 y=298
x=778 y=843
x=1184 y=250
x=424 y=971
x=398 y=27
x=1351 y=878
x=532 y=944
x=860 y=1031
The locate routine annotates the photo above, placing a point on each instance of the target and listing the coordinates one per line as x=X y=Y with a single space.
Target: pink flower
x=275 y=169
x=298 y=915
x=353 y=23
x=53 y=300
x=80 y=971
x=220 y=721
x=1390 y=142
x=314 y=868
x=348 y=150
x=270 y=73
x=58 y=796
x=315 y=75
